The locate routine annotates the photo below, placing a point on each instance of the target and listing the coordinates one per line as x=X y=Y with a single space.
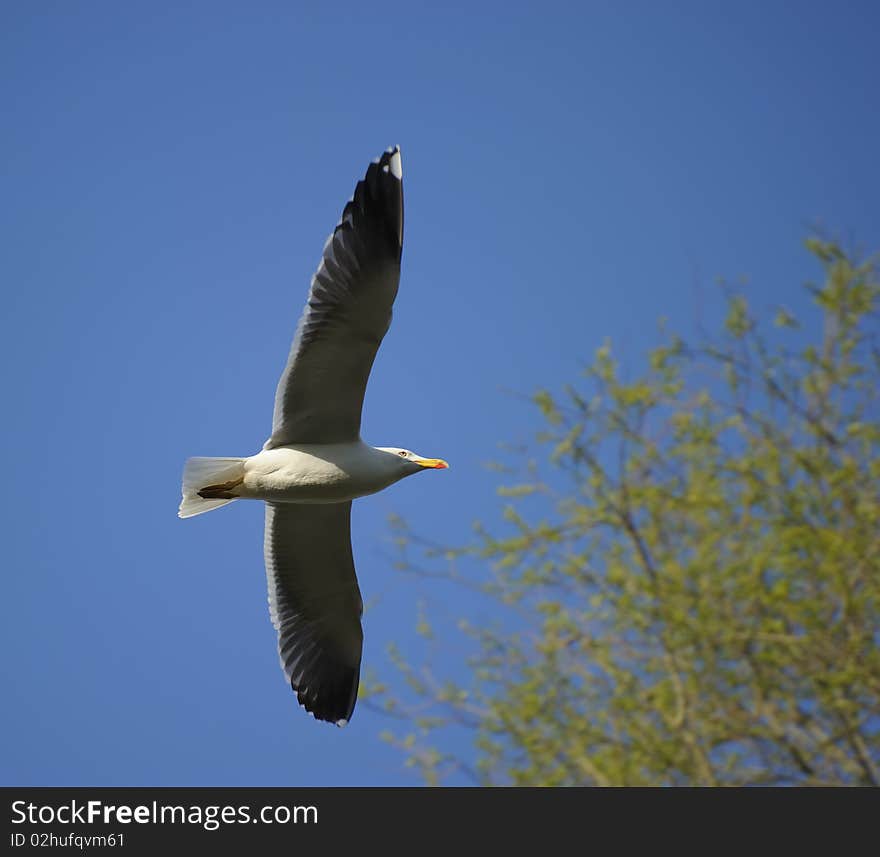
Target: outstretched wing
x=321 y=391
x=315 y=604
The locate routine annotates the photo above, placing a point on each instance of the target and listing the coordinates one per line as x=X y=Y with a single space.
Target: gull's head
x=411 y=462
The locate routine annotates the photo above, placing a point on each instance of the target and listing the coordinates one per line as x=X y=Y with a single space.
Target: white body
x=297 y=473
x=321 y=473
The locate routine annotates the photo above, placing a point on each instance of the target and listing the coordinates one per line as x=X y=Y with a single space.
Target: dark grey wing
x=315 y=604
x=321 y=392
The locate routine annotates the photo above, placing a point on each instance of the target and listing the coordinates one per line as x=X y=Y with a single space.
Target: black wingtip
x=390 y=162
x=384 y=179
x=332 y=704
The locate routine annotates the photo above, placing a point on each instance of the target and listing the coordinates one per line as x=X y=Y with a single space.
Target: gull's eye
x=403 y=452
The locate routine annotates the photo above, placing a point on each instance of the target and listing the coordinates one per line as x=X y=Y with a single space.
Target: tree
x=691 y=595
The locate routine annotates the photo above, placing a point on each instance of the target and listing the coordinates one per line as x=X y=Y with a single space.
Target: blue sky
x=169 y=173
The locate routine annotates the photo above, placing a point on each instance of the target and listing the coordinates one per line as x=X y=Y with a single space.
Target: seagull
x=315 y=463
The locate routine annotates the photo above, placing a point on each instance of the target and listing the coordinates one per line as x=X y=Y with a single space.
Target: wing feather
x=321 y=391
x=315 y=604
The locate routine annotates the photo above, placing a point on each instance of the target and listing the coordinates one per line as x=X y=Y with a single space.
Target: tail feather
x=209 y=483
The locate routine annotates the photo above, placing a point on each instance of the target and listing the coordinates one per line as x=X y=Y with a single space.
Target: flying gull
x=315 y=462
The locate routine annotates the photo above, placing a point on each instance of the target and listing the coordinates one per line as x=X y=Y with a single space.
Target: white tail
x=221 y=475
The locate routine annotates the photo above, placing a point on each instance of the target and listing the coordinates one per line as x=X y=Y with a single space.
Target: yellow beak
x=437 y=463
